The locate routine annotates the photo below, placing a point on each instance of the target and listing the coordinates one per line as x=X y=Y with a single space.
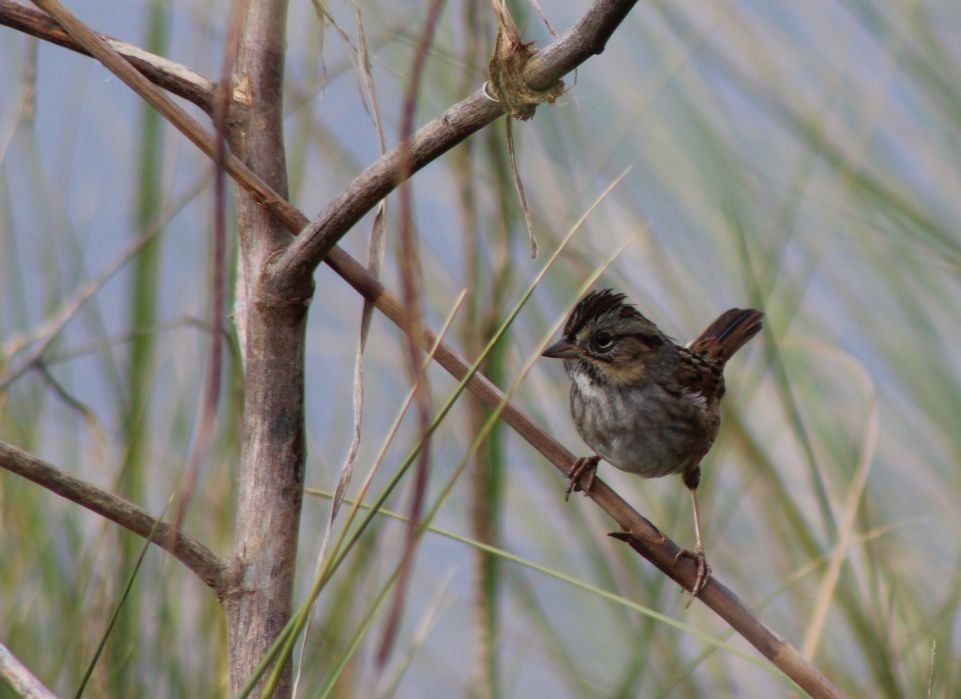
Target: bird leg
x=703 y=569
x=585 y=464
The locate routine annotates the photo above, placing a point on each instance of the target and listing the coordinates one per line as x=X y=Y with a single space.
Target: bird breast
x=643 y=428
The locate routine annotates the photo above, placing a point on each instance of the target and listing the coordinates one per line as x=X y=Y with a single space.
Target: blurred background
x=800 y=158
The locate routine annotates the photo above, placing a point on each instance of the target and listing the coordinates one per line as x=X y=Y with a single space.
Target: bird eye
x=603 y=340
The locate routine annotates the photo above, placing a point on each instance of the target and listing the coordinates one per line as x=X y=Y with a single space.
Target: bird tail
x=726 y=335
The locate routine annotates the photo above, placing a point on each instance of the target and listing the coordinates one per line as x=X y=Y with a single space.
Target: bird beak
x=562 y=350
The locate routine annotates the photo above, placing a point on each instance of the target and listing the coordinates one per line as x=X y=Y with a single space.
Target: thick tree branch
x=169 y=75
x=271 y=474
x=291 y=277
x=585 y=39
x=197 y=557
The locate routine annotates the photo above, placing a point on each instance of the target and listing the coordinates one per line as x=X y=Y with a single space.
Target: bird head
x=609 y=338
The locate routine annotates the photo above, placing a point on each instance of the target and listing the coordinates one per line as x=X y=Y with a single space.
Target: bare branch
x=197 y=557
x=24 y=683
x=169 y=75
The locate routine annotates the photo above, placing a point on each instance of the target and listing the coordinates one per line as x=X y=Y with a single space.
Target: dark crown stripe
x=595 y=305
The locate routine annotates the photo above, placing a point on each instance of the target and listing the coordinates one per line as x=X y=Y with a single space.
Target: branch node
x=629 y=537
x=507 y=85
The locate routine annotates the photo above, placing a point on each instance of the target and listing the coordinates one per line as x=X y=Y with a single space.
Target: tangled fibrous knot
x=507 y=84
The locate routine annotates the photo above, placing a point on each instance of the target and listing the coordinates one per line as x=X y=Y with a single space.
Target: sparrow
x=642 y=402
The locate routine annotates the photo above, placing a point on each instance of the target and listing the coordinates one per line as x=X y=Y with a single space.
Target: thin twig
x=172 y=76
x=50 y=329
x=197 y=557
x=23 y=682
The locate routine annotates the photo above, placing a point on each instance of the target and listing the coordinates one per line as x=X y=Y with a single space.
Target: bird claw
x=703 y=571
x=585 y=464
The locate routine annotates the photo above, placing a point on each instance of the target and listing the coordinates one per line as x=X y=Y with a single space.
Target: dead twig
x=197 y=557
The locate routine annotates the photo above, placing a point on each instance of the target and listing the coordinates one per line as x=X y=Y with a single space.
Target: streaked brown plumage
x=642 y=402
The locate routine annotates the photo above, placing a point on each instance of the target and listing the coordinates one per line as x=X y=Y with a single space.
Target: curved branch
x=171 y=76
x=588 y=37
x=197 y=557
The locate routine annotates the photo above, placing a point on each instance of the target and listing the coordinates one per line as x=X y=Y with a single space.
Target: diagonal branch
x=23 y=682
x=291 y=279
x=171 y=76
x=197 y=557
